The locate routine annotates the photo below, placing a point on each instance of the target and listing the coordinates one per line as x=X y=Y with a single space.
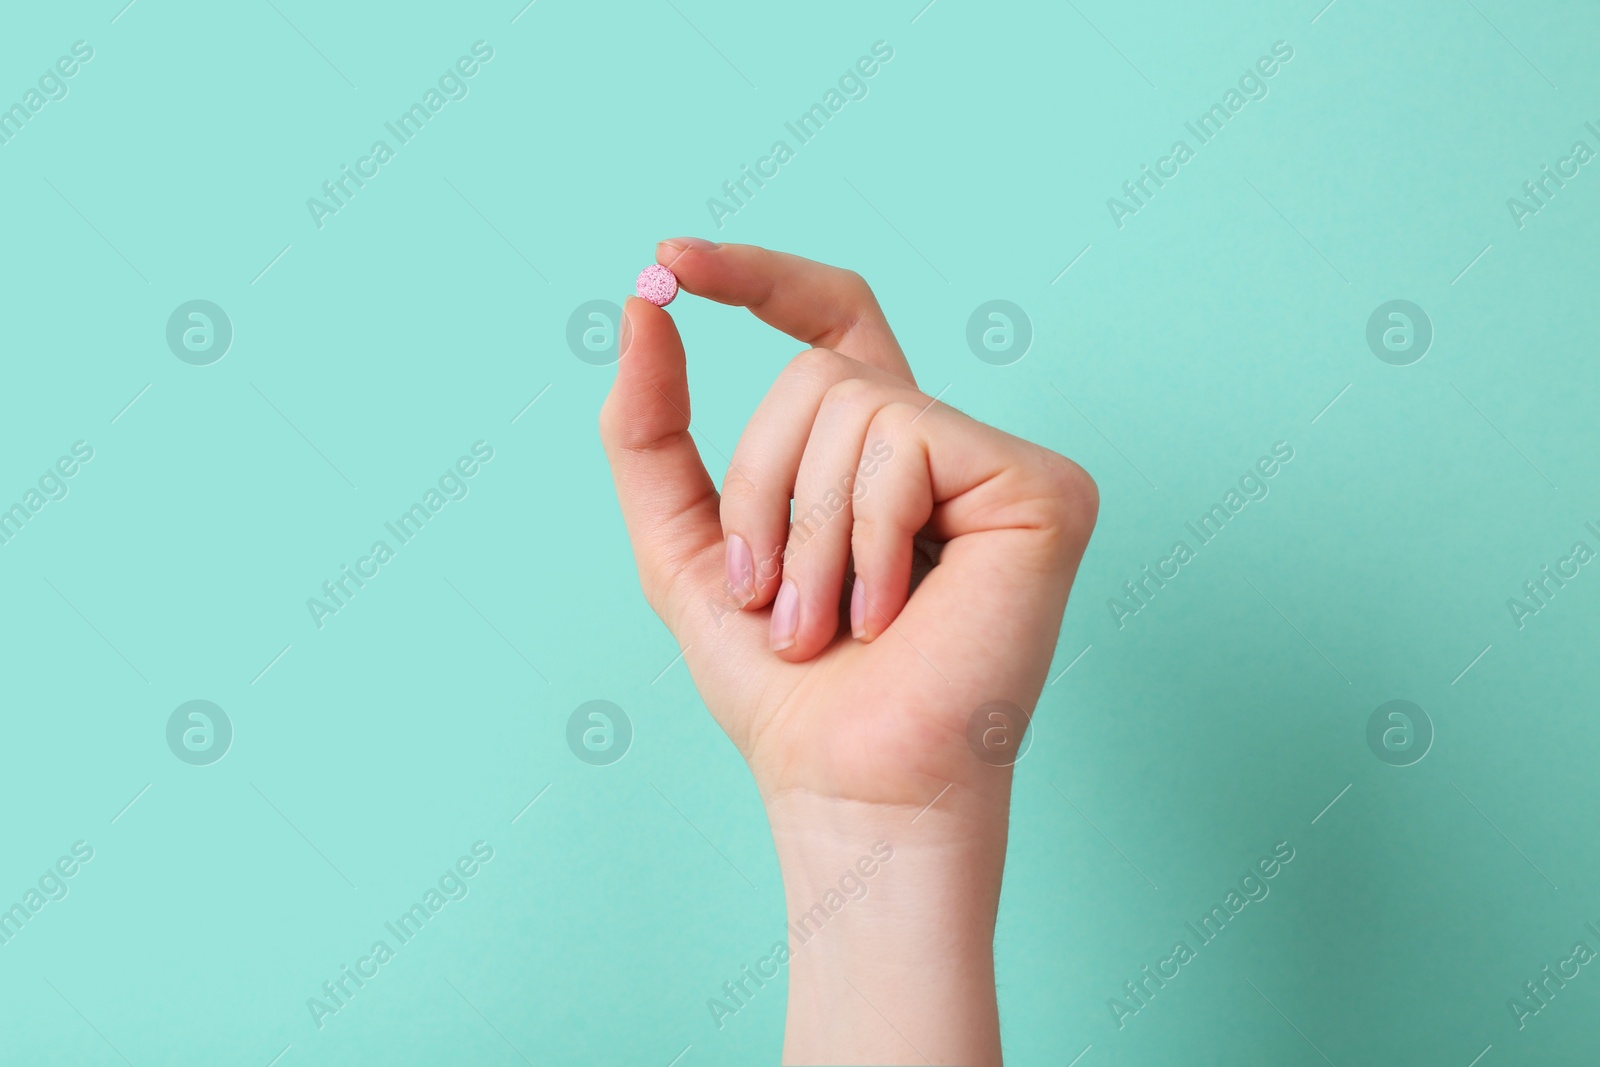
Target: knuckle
x=739 y=499
x=817 y=364
x=852 y=394
x=1068 y=492
x=858 y=299
x=869 y=532
x=855 y=285
x=894 y=419
x=610 y=420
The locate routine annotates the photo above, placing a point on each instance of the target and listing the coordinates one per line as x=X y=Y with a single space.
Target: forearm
x=895 y=966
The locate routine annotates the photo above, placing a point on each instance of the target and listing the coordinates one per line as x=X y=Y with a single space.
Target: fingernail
x=741 y=567
x=858 y=610
x=624 y=335
x=685 y=244
x=785 y=617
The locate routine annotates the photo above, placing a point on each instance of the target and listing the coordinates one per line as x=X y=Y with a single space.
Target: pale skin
x=850 y=694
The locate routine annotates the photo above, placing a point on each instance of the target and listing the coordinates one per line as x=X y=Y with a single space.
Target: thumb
x=668 y=500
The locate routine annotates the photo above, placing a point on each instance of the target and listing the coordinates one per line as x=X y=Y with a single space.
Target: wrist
x=890 y=925
x=942 y=860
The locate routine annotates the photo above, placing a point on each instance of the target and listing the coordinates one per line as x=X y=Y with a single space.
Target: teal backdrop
x=195 y=883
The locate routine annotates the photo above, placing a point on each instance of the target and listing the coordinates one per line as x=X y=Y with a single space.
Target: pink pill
x=657 y=284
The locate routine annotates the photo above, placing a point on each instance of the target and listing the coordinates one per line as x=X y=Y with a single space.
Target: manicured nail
x=785 y=616
x=624 y=334
x=741 y=567
x=684 y=244
x=858 y=610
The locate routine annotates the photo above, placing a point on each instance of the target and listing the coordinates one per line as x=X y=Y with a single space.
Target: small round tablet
x=657 y=284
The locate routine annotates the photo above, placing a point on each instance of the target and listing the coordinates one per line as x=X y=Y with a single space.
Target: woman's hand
x=850 y=694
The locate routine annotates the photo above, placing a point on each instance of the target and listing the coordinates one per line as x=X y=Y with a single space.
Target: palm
x=885 y=722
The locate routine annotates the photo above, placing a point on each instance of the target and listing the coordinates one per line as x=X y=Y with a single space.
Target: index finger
x=822 y=306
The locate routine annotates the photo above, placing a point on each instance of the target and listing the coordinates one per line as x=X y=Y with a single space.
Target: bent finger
x=817 y=304
x=764 y=470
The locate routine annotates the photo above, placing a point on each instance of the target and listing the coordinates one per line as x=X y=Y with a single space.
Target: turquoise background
x=369 y=354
